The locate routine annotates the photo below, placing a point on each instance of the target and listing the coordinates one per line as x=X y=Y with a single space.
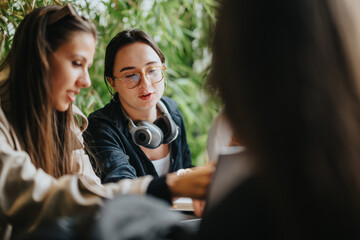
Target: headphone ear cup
x=168 y=127
x=147 y=134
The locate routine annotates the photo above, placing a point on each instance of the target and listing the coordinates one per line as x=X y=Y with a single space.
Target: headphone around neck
x=151 y=135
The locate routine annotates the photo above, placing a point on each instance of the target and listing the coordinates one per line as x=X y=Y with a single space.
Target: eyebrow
x=83 y=58
x=128 y=68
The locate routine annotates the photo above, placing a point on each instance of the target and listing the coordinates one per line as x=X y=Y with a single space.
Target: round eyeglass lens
x=155 y=74
x=131 y=80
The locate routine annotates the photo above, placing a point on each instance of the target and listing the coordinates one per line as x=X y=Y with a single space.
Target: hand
x=193 y=184
x=198 y=206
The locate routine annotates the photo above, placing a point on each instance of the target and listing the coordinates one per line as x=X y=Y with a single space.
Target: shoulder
x=106 y=121
x=110 y=117
x=170 y=103
x=101 y=113
x=172 y=107
x=110 y=114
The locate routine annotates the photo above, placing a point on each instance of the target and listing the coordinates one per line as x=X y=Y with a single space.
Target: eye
x=77 y=63
x=154 y=72
x=134 y=77
x=131 y=75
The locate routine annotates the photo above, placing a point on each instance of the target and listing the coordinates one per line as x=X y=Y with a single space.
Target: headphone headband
x=161 y=106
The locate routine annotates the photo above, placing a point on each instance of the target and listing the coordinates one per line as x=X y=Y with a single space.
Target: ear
x=112 y=82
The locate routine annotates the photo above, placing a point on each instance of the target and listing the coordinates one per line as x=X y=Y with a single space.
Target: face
x=69 y=69
x=137 y=57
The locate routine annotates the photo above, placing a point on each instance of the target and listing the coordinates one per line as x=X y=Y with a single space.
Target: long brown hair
x=43 y=132
x=286 y=75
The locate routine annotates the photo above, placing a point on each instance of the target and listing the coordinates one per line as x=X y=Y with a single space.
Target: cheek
x=125 y=93
x=55 y=81
x=56 y=92
x=60 y=76
x=58 y=81
x=117 y=86
x=160 y=87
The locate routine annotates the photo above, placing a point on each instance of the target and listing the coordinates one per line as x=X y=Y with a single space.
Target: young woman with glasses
x=139 y=132
x=45 y=174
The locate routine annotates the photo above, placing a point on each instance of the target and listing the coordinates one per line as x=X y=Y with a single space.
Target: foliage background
x=181 y=28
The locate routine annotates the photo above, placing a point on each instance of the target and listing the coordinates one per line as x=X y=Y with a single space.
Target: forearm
x=159 y=188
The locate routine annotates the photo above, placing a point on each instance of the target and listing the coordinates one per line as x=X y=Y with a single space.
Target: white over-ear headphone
x=151 y=135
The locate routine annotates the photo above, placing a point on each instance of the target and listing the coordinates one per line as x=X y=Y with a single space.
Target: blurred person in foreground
x=288 y=73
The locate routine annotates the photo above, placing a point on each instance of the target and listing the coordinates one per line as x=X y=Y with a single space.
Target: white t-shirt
x=162 y=165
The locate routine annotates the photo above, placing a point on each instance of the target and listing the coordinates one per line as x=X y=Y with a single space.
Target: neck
x=148 y=115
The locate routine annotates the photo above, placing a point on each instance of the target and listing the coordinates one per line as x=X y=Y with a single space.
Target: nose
x=144 y=82
x=84 y=81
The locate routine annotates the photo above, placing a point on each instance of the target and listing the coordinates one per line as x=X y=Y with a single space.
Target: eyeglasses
x=62 y=12
x=132 y=79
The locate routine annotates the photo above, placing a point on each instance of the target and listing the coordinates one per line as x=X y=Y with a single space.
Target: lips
x=145 y=96
x=71 y=95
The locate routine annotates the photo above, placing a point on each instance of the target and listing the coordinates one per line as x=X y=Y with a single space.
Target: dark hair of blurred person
x=288 y=72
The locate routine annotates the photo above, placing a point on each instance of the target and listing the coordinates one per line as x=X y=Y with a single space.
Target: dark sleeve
x=160 y=189
x=106 y=148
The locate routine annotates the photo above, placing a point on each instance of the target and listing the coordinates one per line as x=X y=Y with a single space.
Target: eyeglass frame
x=144 y=72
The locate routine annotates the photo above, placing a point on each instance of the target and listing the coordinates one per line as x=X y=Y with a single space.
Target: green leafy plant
x=181 y=29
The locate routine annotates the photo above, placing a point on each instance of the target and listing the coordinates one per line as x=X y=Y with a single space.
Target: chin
x=62 y=107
